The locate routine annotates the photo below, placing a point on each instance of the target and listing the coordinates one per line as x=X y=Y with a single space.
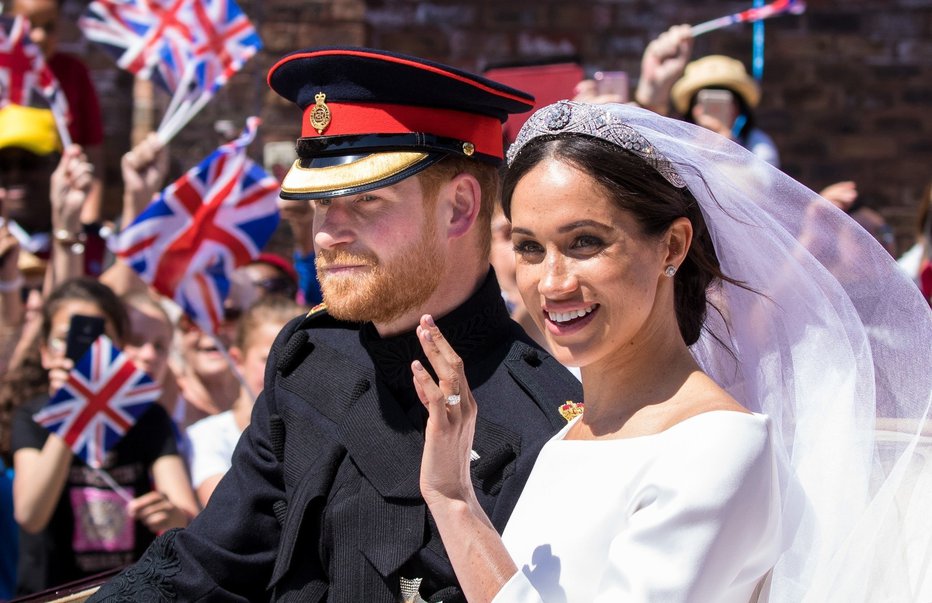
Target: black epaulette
x=299 y=343
x=297 y=346
x=315 y=315
x=319 y=317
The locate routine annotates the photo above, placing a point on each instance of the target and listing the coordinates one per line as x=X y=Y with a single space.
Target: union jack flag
x=103 y=398
x=23 y=71
x=216 y=217
x=227 y=40
x=164 y=40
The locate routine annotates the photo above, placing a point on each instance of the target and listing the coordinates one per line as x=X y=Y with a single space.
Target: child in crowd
x=72 y=524
x=214 y=438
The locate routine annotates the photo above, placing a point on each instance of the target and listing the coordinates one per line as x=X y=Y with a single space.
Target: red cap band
x=485 y=133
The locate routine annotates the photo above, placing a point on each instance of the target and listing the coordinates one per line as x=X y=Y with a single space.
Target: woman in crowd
x=72 y=524
x=214 y=438
x=751 y=411
x=731 y=112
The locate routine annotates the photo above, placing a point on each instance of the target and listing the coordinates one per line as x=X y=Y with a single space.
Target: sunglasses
x=186 y=325
x=278 y=285
x=14 y=160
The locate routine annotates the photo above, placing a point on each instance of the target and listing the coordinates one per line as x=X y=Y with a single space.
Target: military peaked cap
x=372 y=118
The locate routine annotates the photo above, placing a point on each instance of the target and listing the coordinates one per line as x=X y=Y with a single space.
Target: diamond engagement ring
x=453 y=400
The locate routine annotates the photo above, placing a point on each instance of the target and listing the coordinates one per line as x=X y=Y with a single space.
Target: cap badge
x=320 y=114
x=468 y=149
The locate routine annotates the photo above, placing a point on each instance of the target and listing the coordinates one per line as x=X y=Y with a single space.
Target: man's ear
x=678 y=239
x=463 y=195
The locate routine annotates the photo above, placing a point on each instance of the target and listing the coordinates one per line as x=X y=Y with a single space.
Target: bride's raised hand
x=451 y=422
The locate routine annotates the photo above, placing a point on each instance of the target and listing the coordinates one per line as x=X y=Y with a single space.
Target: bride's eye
x=588 y=242
x=526 y=248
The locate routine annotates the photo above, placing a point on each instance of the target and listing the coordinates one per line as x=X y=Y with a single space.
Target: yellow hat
x=714 y=71
x=28 y=128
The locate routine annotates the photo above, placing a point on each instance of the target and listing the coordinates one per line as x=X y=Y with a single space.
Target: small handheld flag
x=23 y=72
x=795 y=7
x=104 y=396
x=190 y=48
x=215 y=218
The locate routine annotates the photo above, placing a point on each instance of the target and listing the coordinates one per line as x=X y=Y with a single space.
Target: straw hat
x=30 y=264
x=714 y=71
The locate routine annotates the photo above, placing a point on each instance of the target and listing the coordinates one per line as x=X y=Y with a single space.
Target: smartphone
x=612 y=82
x=719 y=104
x=82 y=332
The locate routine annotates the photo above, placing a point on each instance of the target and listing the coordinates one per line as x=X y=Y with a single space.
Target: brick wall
x=847 y=86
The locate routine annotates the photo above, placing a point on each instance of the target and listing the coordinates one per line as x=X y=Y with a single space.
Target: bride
x=757 y=381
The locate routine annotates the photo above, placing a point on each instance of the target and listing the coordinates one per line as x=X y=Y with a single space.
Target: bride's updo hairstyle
x=640 y=190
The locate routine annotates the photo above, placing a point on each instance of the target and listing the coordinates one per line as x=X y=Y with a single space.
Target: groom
x=399 y=158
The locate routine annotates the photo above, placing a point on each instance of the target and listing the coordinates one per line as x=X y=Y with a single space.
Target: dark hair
x=639 y=189
x=89 y=290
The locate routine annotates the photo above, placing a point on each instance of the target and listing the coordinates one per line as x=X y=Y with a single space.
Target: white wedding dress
x=688 y=514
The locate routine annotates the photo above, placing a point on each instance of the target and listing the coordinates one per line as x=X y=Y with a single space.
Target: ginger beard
x=385 y=290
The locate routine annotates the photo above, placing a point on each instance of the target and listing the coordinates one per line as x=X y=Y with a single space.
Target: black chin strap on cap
x=362 y=144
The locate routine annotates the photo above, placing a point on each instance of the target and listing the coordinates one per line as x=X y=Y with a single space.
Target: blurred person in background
x=717 y=93
x=45 y=189
x=214 y=438
x=299 y=215
x=502 y=258
x=29 y=152
x=271 y=274
x=206 y=381
x=149 y=345
x=72 y=524
x=36 y=183
x=86 y=125
x=667 y=75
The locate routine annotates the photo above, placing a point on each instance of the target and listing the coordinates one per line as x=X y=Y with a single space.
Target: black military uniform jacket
x=323 y=502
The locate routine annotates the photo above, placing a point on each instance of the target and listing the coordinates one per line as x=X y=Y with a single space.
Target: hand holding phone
x=82 y=332
x=718 y=104
x=613 y=83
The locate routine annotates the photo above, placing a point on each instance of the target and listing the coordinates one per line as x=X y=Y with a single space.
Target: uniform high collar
x=472 y=327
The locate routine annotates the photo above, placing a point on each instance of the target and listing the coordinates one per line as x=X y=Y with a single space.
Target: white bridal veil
x=834 y=343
